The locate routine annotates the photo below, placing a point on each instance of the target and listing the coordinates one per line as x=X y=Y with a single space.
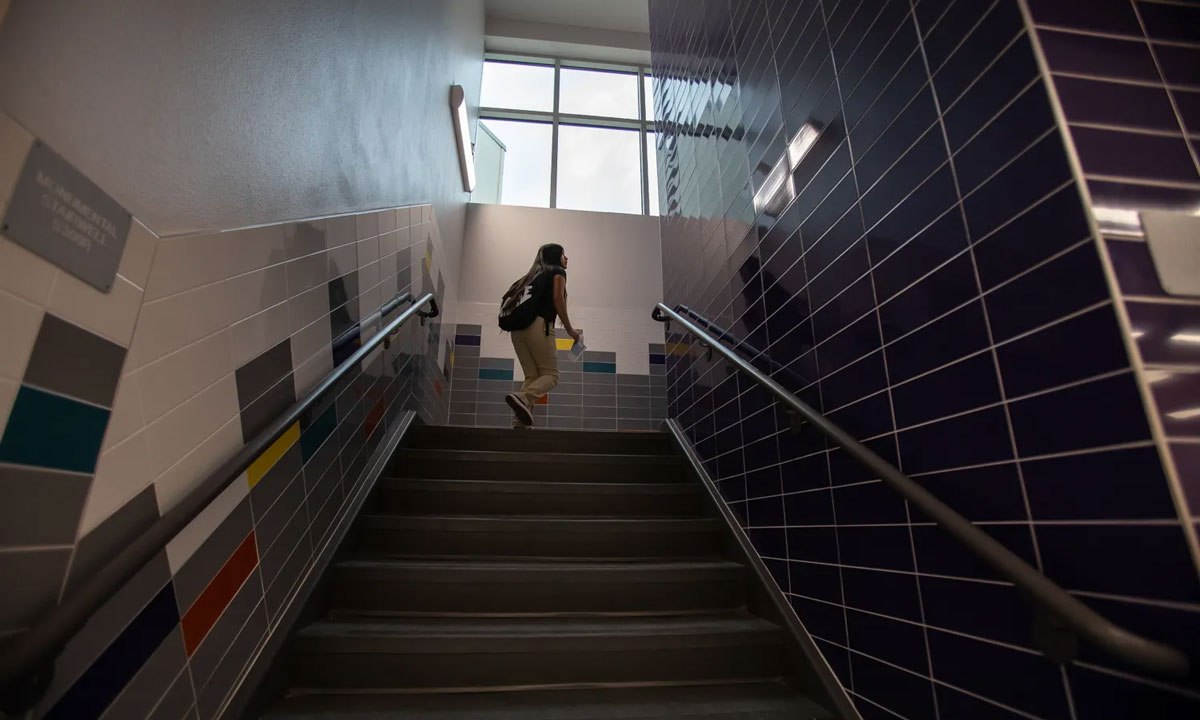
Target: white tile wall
x=260 y=332
x=15 y=142
x=8 y=393
x=127 y=416
x=306 y=238
x=122 y=472
x=342 y=259
x=368 y=251
x=312 y=370
x=111 y=315
x=169 y=381
x=307 y=272
x=307 y=307
x=24 y=274
x=189 y=262
x=174 y=434
x=19 y=323
x=140 y=247
x=208 y=453
x=189 y=540
x=367 y=225
x=310 y=340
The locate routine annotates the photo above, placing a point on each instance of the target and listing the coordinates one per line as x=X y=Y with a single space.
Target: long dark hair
x=548 y=256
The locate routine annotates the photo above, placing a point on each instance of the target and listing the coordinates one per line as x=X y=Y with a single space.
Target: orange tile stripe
x=543 y=400
x=203 y=613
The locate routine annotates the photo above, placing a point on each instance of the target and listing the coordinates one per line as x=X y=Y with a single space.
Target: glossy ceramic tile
x=934 y=288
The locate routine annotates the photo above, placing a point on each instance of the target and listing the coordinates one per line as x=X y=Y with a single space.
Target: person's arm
x=560 y=305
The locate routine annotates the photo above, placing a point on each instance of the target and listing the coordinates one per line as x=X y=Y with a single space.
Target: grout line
x=1121 y=81
x=1143 y=37
x=1124 y=323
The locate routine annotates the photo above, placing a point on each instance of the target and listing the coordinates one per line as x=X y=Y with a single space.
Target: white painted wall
x=614 y=279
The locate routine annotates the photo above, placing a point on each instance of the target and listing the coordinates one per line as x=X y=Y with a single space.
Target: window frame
x=555 y=117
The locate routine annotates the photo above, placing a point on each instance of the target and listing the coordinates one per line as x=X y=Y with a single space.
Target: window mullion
x=641 y=92
x=554 y=139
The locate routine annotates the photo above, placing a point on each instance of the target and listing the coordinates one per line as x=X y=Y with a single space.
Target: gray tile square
x=279 y=477
x=462 y=408
x=623 y=379
x=177 y=703
x=71 y=361
x=270 y=405
x=628 y=424
x=288 y=540
x=221 y=681
x=599 y=412
x=625 y=401
x=634 y=413
x=633 y=391
x=600 y=424
x=41 y=574
x=496 y=363
x=40 y=507
x=657 y=349
x=466 y=329
x=288 y=503
x=564 y=423
x=260 y=374
x=463 y=420
x=599 y=356
x=113 y=534
x=573 y=411
x=288 y=577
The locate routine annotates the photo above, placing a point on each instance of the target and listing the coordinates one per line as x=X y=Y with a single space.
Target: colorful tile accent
x=267 y=460
x=495 y=374
x=117 y=665
x=600 y=367
x=199 y=618
x=52 y=431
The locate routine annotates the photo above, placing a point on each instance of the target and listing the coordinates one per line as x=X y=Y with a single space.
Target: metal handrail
x=1059 y=618
x=27 y=662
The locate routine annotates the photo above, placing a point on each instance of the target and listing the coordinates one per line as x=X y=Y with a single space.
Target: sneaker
x=519 y=408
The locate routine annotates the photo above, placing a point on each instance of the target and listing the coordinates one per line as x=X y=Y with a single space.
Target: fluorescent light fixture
x=778 y=179
x=1188 y=338
x=1185 y=414
x=462 y=132
x=801 y=143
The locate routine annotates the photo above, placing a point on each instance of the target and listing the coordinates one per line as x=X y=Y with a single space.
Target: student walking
x=528 y=311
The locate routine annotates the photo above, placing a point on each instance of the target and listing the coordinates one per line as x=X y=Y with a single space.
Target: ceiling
x=624 y=15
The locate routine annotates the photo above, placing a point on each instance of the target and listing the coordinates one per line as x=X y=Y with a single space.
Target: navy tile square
x=903 y=693
x=1096 y=693
x=1134 y=267
x=926 y=156
x=941 y=342
x=901 y=262
x=883 y=547
x=1164 y=332
x=1133 y=155
x=823 y=582
x=940 y=554
x=1004 y=138
x=1107 y=16
x=995 y=612
x=986 y=100
x=1064 y=285
x=945 y=288
x=972 y=665
x=923 y=448
x=887 y=593
x=1110 y=103
x=844 y=470
x=1112 y=559
x=989 y=492
x=1030 y=177
x=1124 y=484
x=987 y=41
x=957 y=388
x=1054 y=223
x=1093 y=414
x=867 y=418
x=1053 y=356
x=868 y=503
x=816 y=544
x=1098 y=56
x=809 y=508
x=1180 y=23
x=896 y=642
x=821 y=619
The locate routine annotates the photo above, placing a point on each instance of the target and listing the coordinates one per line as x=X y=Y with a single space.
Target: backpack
x=521 y=305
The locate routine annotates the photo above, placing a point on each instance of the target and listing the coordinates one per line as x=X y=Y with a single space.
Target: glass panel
x=648 y=82
x=526 y=158
x=593 y=92
x=598 y=169
x=652 y=172
x=517 y=87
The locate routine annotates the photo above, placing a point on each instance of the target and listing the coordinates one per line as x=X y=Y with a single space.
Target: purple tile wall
x=1126 y=79
x=925 y=274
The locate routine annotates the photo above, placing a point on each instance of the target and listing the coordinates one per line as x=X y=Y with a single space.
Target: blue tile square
x=52 y=431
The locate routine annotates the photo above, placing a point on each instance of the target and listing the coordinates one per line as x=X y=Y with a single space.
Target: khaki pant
x=535 y=351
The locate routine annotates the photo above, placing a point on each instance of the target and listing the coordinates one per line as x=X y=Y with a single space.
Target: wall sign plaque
x=61 y=215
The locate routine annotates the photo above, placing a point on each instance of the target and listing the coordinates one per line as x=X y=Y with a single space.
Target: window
x=526 y=175
x=599 y=169
x=518 y=87
x=593 y=92
x=574 y=135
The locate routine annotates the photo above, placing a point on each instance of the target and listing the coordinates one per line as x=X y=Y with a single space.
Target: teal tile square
x=495 y=374
x=600 y=367
x=52 y=431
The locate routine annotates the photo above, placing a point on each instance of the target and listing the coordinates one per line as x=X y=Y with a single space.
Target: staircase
x=539 y=574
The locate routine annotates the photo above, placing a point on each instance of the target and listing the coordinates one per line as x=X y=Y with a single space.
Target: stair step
x=740 y=701
x=538 y=537
x=561 y=441
x=512 y=586
x=492 y=652
x=536 y=466
x=495 y=497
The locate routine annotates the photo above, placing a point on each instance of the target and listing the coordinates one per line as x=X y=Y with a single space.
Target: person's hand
x=575 y=335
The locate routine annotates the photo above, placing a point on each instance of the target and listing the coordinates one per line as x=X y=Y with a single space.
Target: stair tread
x=543 y=485
x=549 y=565
x=538 y=457
x=760 y=700
x=729 y=622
